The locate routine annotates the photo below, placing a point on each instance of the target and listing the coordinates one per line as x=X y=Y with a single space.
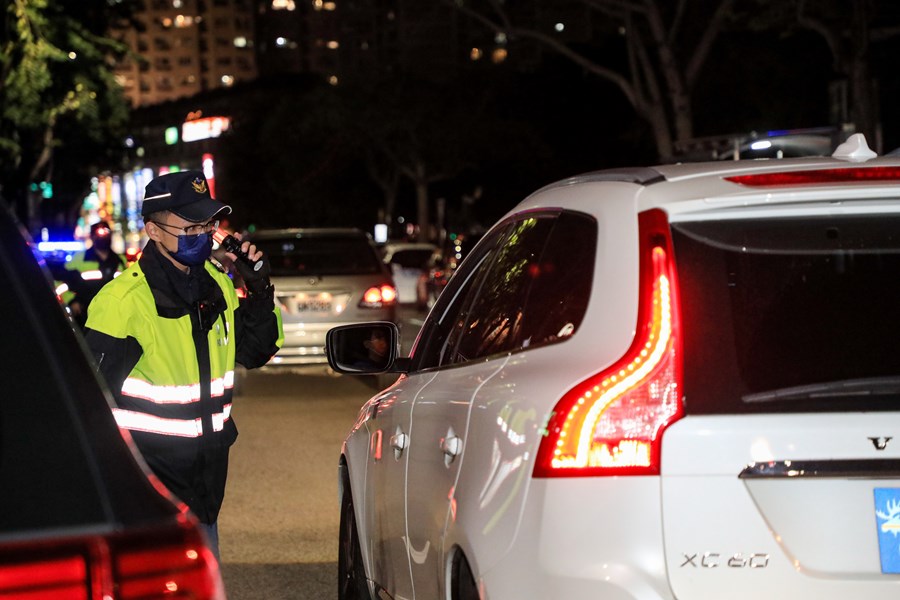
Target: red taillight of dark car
x=164 y=562
x=378 y=296
x=612 y=423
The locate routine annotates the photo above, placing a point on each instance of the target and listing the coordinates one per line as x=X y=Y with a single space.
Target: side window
x=436 y=336
x=562 y=282
x=495 y=319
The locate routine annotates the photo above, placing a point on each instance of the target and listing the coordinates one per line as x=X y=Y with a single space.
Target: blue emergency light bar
x=60 y=246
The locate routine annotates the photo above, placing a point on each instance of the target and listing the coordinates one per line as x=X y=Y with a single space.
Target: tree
x=851 y=29
x=57 y=88
x=664 y=46
x=435 y=135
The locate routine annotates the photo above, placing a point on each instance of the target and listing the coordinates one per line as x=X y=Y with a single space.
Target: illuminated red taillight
x=60 y=578
x=378 y=296
x=132 y=254
x=822 y=176
x=612 y=423
x=165 y=562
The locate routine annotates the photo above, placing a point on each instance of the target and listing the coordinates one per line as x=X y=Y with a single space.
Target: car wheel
x=351 y=572
x=463 y=584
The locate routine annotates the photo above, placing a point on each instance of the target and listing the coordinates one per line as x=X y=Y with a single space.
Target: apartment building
x=183 y=47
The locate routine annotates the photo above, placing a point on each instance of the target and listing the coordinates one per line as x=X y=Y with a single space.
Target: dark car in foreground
x=81 y=517
x=324 y=277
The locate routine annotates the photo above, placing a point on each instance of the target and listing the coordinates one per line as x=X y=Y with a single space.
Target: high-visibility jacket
x=86 y=274
x=170 y=365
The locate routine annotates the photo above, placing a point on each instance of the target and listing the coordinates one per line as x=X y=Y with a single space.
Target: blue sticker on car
x=887 y=511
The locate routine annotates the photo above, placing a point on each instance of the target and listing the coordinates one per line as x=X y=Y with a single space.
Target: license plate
x=887 y=513
x=303 y=302
x=314 y=306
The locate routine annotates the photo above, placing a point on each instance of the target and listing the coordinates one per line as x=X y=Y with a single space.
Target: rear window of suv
x=791 y=314
x=320 y=255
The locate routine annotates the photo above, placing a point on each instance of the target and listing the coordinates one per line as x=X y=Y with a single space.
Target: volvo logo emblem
x=880 y=443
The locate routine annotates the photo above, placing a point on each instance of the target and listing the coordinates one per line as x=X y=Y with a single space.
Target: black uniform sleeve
x=115 y=357
x=257 y=329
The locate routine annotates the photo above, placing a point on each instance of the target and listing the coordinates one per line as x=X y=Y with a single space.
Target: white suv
x=670 y=382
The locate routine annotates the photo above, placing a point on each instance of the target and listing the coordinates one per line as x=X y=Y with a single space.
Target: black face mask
x=103 y=244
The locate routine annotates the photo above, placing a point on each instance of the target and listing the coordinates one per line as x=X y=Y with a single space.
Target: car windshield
x=790 y=314
x=317 y=255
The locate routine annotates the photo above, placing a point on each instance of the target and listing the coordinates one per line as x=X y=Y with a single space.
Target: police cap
x=185 y=193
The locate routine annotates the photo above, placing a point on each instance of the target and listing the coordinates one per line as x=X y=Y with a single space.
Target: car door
x=391 y=435
x=508 y=412
x=386 y=484
x=483 y=332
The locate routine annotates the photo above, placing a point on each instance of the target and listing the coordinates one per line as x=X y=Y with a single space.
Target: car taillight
x=132 y=254
x=166 y=562
x=60 y=578
x=378 y=296
x=612 y=423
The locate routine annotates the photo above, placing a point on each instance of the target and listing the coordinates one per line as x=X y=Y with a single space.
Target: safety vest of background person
x=88 y=271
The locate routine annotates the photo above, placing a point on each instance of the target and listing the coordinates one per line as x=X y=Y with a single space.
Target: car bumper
x=584 y=539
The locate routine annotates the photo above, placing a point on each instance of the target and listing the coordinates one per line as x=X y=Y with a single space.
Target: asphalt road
x=278 y=528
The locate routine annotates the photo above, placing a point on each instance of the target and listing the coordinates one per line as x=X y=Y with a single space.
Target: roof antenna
x=855 y=149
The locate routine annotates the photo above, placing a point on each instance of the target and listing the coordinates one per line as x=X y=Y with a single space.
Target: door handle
x=451 y=446
x=399 y=442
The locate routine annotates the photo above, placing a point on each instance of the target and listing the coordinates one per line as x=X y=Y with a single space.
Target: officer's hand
x=256 y=280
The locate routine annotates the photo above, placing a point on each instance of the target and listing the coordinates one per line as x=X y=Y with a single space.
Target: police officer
x=88 y=271
x=166 y=335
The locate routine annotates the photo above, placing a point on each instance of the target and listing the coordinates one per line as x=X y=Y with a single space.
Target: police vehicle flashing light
x=71 y=246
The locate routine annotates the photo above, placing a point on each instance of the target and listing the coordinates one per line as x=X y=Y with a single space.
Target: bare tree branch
x=704 y=46
x=676 y=21
x=834 y=43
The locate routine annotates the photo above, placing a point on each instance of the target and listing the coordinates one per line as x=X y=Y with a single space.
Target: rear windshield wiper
x=872 y=386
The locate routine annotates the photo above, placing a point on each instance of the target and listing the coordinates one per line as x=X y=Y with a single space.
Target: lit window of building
x=560 y=27
x=183 y=21
x=283 y=5
x=499 y=55
x=240 y=42
x=332 y=45
x=475 y=54
x=333 y=80
x=227 y=80
x=330 y=6
x=318 y=4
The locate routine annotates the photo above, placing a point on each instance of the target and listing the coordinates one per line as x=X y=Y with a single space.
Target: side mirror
x=363 y=348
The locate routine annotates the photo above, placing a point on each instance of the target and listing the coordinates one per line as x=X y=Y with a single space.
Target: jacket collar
x=173 y=288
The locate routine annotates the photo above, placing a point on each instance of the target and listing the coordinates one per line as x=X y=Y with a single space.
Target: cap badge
x=199 y=185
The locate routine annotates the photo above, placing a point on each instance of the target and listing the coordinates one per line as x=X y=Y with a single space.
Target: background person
x=166 y=335
x=88 y=271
